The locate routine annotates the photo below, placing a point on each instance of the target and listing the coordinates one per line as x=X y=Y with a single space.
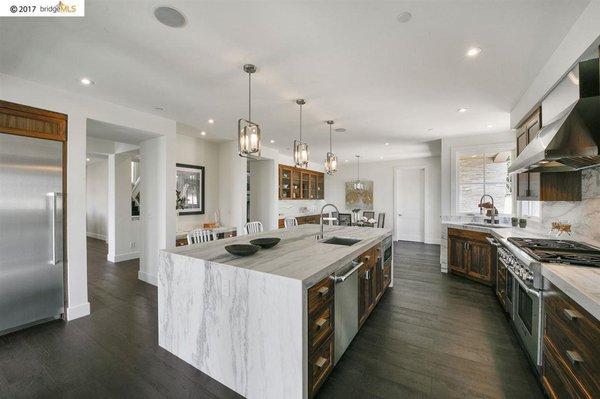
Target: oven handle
x=493 y=241
x=522 y=284
x=341 y=279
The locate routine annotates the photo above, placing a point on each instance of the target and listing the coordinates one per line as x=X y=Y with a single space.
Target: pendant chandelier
x=331 y=160
x=358 y=185
x=248 y=131
x=300 y=147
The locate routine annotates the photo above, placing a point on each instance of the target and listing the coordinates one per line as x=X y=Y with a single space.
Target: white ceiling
x=353 y=62
x=116 y=133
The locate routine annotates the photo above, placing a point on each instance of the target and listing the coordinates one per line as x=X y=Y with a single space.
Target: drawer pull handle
x=320 y=322
x=574 y=357
x=320 y=362
x=571 y=314
x=323 y=291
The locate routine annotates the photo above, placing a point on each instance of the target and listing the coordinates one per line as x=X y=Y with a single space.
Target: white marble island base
x=243 y=321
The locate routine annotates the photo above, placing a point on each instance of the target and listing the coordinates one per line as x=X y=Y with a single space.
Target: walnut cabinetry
x=373 y=279
x=471 y=255
x=32 y=122
x=300 y=184
x=308 y=219
x=571 y=348
x=545 y=186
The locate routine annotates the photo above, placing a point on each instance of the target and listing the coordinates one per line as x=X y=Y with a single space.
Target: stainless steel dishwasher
x=346 y=307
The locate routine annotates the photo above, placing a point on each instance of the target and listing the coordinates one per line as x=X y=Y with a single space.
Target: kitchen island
x=263 y=325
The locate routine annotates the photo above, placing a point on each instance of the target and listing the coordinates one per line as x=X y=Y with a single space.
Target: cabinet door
x=285 y=183
x=305 y=185
x=457 y=254
x=479 y=260
x=320 y=186
x=378 y=274
x=521 y=141
x=296 y=184
x=312 y=187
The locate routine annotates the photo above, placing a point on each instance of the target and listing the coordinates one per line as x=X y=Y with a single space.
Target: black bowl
x=266 y=242
x=242 y=249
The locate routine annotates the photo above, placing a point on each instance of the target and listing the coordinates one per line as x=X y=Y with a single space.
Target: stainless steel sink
x=340 y=241
x=491 y=226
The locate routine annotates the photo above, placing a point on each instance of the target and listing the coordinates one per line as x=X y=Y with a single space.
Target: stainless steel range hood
x=570 y=141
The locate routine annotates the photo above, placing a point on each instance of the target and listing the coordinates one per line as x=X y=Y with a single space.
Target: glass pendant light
x=358 y=185
x=331 y=160
x=300 y=147
x=248 y=131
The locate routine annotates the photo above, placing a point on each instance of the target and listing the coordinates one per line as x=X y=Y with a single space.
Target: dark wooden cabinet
x=308 y=219
x=545 y=186
x=300 y=184
x=571 y=348
x=27 y=121
x=471 y=255
x=372 y=282
x=501 y=284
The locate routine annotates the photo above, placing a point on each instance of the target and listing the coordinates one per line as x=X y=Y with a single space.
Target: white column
x=157 y=202
x=76 y=260
x=232 y=186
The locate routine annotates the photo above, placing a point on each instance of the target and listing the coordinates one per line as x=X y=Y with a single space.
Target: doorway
x=409 y=204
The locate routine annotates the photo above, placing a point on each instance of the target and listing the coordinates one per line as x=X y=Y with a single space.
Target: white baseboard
x=436 y=241
x=96 y=236
x=122 y=257
x=148 y=278
x=77 y=311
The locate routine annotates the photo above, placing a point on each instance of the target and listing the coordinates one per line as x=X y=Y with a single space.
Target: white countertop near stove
x=580 y=283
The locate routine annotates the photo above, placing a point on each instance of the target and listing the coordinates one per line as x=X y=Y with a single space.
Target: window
x=480 y=173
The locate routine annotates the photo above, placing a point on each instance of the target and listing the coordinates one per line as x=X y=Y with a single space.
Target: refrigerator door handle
x=56 y=223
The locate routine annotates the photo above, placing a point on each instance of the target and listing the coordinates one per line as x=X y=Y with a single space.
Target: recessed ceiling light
x=170 y=16
x=345 y=160
x=387 y=143
x=203 y=133
x=380 y=157
x=211 y=121
x=272 y=141
x=489 y=126
x=404 y=17
x=340 y=130
x=87 y=159
x=430 y=129
x=86 y=81
x=461 y=110
x=474 y=51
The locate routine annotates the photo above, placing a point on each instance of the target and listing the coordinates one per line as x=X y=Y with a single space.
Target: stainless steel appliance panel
x=346 y=308
x=31 y=231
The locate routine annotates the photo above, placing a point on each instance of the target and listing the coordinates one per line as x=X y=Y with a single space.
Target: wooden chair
x=345 y=219
x=253 y=228
x=290 y=222
x=381 y=220
x=200 y=235
x=369 y=214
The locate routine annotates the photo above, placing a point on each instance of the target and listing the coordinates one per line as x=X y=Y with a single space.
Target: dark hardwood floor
x=433 y=335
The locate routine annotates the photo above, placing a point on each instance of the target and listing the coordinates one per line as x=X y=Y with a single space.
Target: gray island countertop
x=299 y=255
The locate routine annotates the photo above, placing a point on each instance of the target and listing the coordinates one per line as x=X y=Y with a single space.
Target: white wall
x=450 y=146
x=96 y=199
x=194 y=151
x=262 y=185
x=232 y=186
x=79 y=108
x=123 y=230
x=382 y=175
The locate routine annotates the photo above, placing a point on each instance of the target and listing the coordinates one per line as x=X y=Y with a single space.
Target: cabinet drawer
x=320 y=326
x=555 y=381
x=320 y=365
x=319 y=294
x=576 y=355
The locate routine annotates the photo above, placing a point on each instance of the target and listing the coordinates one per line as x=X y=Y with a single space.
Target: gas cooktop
x=558 y=251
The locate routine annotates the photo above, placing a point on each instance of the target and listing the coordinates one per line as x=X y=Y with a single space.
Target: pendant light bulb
x=331 y=159
x=301 y=153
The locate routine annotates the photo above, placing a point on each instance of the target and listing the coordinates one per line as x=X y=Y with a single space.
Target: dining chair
x=335 y=215
x=369 y=214
x=345 y=219
x=200 y=235
x=253 y=227
x=381 y=220
x=290 y=222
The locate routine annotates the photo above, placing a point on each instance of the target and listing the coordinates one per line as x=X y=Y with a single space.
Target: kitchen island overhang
x=243 y=321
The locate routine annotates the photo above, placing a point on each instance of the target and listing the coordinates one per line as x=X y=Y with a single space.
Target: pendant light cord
x=300 y=122
x=330 y=138
x=249 y=97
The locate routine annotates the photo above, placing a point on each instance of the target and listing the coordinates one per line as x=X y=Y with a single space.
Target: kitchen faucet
x=320 y=236
x=492 y=219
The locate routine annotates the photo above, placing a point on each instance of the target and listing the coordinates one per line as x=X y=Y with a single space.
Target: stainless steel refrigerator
x=31 y=231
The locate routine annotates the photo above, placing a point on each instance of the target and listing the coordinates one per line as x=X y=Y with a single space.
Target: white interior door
x=409 y=215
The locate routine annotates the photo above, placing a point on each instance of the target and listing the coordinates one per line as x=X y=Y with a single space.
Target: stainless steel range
x=520 y=261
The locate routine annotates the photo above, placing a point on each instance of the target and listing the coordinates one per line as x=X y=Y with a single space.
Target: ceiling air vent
x=169 y=16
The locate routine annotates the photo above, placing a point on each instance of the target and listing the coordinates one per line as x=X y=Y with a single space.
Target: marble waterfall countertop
x=299 y=255
x=581 y=283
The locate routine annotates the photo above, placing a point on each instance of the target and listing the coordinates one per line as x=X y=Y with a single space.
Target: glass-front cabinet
x=296 y=184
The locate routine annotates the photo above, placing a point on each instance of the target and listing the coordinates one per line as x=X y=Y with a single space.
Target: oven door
x=527 y=318
x=509 y=292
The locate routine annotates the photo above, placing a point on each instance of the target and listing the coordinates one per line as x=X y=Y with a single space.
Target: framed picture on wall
x=190 y=189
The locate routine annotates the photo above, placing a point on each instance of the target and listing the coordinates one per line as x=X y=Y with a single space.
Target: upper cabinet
x=544 y=186
x=296 y=184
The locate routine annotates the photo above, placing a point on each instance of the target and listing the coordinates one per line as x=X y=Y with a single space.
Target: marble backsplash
x=584 y=215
